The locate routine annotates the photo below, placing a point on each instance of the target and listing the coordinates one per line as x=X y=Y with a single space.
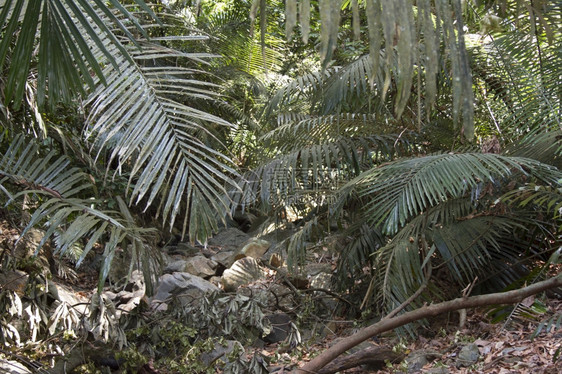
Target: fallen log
x=387 y=324
x=374 y=358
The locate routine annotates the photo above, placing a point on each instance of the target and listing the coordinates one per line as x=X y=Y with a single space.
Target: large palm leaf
x=66 y=206
x=443 y=205
x=65 y=30
x=400 y=190
x=147 y=115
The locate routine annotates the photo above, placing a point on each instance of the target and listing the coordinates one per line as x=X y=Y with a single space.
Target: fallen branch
x=374 y=357
x=383 y=325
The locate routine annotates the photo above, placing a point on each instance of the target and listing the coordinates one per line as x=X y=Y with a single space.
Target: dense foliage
x=423 y=137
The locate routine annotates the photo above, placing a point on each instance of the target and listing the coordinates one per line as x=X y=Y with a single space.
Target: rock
x=201 y=266
x=416 y=362
x=254 y=248
x=318 y=268
x=324 y=281
x=220 y=352
x=438 y=370
x=224 y=258
x=65 y=294
x=280 y=327
x=329 y=329
x=184 y=249
x=14 y=280
x=132 y=295
x=321 y=280
x=468 y=355
x=418 y=359
x=243 y=271
x=281 y=296
x=184 y=286
x=120 y=265
x=229 y=239
x=217 y=281
x=27 y=245
x=12 y=367
x=177 y=266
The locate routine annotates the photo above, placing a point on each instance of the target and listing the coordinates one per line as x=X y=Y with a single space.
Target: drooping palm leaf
x=402 y=189
x=145 y=114
x=63 y=203
x=396 y=27
x=66 y=30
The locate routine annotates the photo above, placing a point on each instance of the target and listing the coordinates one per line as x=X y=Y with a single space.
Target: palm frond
x=441 y=31
x=359 y=252
x=541 y=146
x=547 y=197
x=297 y=130
x=477 y=246
x=58 y=193
x=249 y=56
x=467 y=246
x=300 y=88
x=317 y=170
x=296 y=243
x=66 y=31
x=349 y=81
x=144 y=114
x=522 y=74
x=49 y=175
x=399 y=190
x=444 y=207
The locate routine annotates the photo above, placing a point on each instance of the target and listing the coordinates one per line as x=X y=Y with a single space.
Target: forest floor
x=505 y=348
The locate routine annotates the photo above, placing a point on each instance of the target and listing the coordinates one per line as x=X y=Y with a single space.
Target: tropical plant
x=108 y=115
x=345 y=155
x=143 y=116
x=368 y=141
